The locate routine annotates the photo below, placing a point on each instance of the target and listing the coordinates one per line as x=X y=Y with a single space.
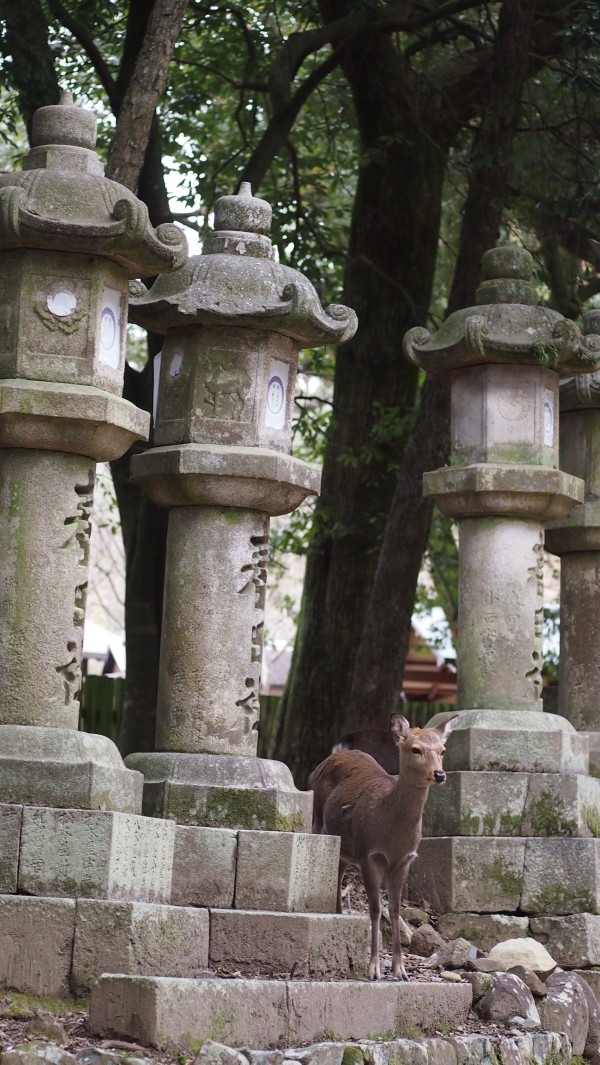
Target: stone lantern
x=517 y=776
x=70 y=240
x=233 y=320
x=504 y=358
x=577 y=540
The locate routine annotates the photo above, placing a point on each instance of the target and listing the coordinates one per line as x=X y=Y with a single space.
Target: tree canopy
x=396 y=140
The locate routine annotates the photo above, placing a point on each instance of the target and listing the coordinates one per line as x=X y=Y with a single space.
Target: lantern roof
x=62 y=201
x=236 y=281
x=506 y=326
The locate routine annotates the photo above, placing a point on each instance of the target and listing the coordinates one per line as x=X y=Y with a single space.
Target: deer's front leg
x=372 y=881
x=395 y=882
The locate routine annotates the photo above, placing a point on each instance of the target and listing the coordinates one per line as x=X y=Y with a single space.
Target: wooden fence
x=102 y=709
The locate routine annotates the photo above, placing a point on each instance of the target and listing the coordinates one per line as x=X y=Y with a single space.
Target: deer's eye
x=416 y=750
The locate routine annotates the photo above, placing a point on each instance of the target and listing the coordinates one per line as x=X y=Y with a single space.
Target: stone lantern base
x=222 y=791
x=515 y=829
x=514 y=741
x=62 y=768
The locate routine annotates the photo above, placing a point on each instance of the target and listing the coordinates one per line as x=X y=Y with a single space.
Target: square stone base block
x=286 y=871
x=95 y=854
x=36 y=944
x=491 y=874
x=55 y=946
x=520 y=741
x=222 y=791
x=137 y=938
x=180 y=1014
x=513 y=804
x=573 y=942
x=58 y=767
x=275 y=944
x=283 y=871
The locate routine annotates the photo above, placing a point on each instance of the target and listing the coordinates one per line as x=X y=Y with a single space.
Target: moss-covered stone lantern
x=577 y=540
x=512 y=830
x=504 y=358
x=234 y=319
x=70 y=240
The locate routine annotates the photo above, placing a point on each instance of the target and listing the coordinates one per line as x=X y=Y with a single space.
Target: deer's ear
x=445 y=727
x=399 y=726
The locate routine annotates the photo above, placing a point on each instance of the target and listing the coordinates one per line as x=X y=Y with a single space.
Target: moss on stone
x=558 y=899
x=54 y=1003
x=511 y=824
x=353 y=1056
x=547 y=816
x=240 y=808
x=469 y=825
x=221 y=1025
x=489 y=824
x=591 y=819
x=502 y=876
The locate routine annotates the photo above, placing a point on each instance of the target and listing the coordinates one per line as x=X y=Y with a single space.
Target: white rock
x=526 y=952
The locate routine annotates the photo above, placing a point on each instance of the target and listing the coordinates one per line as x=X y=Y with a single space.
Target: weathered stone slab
x=10 y=839
x=36 y=943
x=286 y=872
x=477 y=804
x=262 y=1013
x=96 y=854
x=574 y=941
x=463 y=873
x=514 y=804
x=138 y=938
x=204 y=866
x=316 y=945
x=60 y=767
x=76 y=418
x=593 y=742
x=483 y=929
x=509 y=740
x=562 y=805
x=561 y=876
x=171 y=1012
x=222 y=791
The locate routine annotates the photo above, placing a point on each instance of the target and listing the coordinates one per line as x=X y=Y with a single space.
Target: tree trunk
x=32 y=62
x=143 y=92
x=380 y=658
x=389 y=276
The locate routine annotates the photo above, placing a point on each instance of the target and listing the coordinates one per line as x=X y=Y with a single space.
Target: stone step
x=311 y=944
x=513 y=804
x=104 y=854
x=178 y=1015
x=49 y=944
x=286 y=872
x=532 y=875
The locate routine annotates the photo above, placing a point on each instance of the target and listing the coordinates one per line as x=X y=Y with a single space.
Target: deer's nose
x=439 y=776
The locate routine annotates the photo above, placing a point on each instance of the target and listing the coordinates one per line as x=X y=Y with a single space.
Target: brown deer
x=379 y=818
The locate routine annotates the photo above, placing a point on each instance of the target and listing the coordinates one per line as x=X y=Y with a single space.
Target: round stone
x=64 y=123
x=244 y=213
x=508 y=260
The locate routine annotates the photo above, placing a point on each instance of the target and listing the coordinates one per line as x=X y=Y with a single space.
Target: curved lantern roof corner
x=236 y=281
x=61 y=200
x=506 y=326
x=583 y=392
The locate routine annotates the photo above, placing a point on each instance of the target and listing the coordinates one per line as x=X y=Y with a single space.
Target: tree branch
x=146 y=85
